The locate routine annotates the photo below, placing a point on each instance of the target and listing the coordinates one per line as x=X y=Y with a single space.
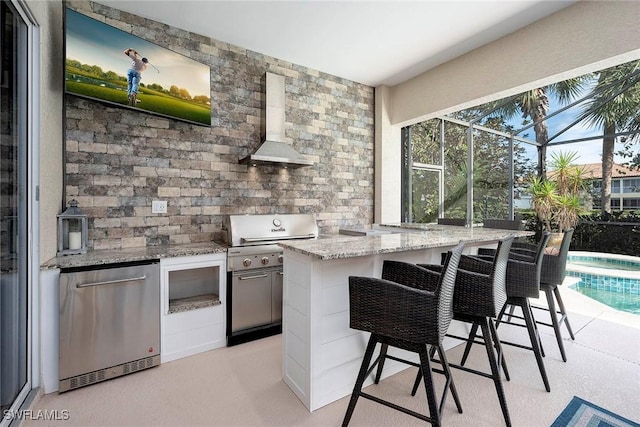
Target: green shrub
x=616 y=233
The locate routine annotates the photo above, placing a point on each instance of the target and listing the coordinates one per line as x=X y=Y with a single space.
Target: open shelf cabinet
x=193 y=305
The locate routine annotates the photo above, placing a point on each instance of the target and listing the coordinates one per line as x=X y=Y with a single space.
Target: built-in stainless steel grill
x=254 y=270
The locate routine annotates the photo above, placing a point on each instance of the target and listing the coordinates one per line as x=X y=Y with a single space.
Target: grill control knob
x=280 y=259
x=264 y=260
x=246 y=262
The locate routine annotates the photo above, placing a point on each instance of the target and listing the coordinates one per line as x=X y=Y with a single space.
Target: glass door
x=14 y=343
x=426 y=203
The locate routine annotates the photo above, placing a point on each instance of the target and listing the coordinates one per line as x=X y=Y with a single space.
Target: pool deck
x=623 y=273
x=242 y=385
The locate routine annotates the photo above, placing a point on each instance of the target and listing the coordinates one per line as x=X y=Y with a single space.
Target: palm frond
x=622 y=105
x=568 y=90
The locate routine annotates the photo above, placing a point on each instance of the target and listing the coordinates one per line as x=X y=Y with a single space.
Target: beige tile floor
x=242 y=386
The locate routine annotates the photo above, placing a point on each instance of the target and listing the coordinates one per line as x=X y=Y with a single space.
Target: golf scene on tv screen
x=110 y=65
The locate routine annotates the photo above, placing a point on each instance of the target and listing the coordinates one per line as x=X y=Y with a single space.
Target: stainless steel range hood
x=274 y=151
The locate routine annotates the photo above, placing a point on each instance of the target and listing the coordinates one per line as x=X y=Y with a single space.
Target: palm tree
x=534 y=105
x=619 y=114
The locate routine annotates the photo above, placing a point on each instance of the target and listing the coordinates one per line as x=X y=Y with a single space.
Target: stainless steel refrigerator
x=109 y=322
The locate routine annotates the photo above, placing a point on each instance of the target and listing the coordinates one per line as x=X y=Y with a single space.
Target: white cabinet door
x=193 y=305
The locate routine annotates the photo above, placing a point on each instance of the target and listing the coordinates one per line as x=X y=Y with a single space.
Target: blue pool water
x=610 y=279
x=618 y=300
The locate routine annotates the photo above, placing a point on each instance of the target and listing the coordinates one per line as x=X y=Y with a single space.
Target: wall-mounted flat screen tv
x=107 y=64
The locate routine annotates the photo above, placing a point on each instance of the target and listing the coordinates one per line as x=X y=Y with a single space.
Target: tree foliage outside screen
x=598 y=111
x=173 y=85
x=491 y=170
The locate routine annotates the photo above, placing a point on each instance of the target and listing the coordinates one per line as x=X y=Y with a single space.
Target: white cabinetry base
x=189 y=332
x=321 y=353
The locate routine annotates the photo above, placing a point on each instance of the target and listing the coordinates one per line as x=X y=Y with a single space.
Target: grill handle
x=257 y=276
x=272 y=239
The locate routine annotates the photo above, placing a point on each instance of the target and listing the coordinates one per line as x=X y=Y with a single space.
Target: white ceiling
x=371 y=42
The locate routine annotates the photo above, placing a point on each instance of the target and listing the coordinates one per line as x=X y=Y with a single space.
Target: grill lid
x=247 y=230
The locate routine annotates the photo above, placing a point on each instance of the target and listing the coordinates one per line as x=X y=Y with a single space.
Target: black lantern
x=72 y=230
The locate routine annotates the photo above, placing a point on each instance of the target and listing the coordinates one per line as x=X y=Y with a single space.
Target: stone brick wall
x=118 y=160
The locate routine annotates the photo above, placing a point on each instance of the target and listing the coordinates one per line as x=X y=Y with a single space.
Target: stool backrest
x=505 y=224
x=524 y=270
x=542 y=245
x=446 y=288
x=554 y=267
x=481 y=284
x=452 y=221
x=499 y=274
x=409 y=302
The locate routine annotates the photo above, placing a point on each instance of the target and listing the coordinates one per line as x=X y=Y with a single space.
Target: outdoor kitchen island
x=321 y=354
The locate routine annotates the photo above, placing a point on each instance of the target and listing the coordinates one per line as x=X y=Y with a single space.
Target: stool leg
x=501 y=314
x=554 y=320
x=381 y=359
x=425 y=368
x=556 y=291
x=447 y=373
x=484 y=323
x=504 y=309
x=497 y=324
x=467 y=348
x=449 y=377
x=357 y=388
x=496 y=340
x=416 y=383
x=501 y=360
x=535 y=343
x=535 y=326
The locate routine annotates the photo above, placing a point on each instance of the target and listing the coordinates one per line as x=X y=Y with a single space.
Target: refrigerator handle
x=111 y=282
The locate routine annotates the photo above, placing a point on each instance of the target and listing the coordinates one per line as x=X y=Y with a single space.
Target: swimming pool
x=612 y=279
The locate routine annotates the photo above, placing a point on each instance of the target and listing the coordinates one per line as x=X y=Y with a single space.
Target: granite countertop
x=404 y=237
x=113 y=256
x=191 y=303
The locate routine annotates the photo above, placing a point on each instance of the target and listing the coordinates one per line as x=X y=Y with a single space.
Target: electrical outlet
x=159 y=206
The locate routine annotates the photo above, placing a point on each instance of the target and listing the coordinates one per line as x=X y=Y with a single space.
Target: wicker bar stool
x=554 y=269
x=411 y=313
x=480 y=294
x=522 y=282
x=552 y=275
